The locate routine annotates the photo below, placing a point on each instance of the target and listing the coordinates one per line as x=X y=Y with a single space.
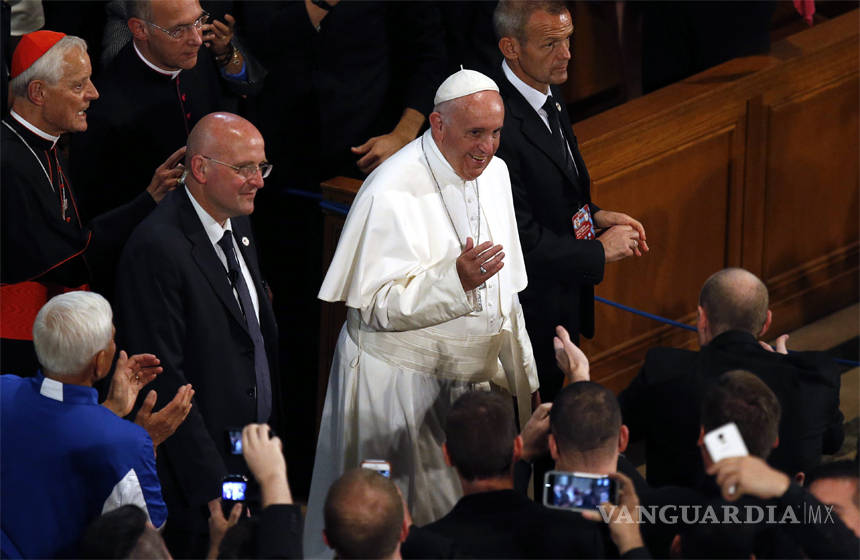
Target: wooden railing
x=753 y=163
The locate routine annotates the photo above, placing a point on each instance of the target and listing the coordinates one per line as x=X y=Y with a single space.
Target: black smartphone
x=577 y=491
x=233 y=488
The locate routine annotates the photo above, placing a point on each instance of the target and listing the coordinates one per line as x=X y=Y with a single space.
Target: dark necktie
x=555 y=124
x=261 y=363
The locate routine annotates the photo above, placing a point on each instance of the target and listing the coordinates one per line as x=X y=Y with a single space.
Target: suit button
x=252 y=392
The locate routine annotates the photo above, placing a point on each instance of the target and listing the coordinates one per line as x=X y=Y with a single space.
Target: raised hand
x=476 y=264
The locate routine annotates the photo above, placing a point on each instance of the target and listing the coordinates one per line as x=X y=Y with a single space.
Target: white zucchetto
x=463 y=83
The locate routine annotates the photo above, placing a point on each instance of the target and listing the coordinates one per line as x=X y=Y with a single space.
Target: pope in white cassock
x=429 y=264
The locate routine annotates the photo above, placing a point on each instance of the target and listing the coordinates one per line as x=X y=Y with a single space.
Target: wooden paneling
x=811 y=202
x=753 y=163
x=688 y=235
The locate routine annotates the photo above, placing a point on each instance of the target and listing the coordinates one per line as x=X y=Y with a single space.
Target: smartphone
x=234 y=440
x=233 y=488
x=726 y=441
x=378 y=465
x=577 y=491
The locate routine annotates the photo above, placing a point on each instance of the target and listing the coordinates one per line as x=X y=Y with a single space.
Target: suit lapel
x=534 y=130
x=268 y=323
x=241 y=231
x=583 y=180
x=207 y=260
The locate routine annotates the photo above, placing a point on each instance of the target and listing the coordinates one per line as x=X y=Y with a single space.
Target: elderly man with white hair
x=66 y=459
x=429 y=265
x=45 y=247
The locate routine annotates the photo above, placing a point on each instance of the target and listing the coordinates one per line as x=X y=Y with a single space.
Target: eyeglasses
x=246 y=171
x=179 y=31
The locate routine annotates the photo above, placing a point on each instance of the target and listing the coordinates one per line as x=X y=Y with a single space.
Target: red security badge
x=583 y=226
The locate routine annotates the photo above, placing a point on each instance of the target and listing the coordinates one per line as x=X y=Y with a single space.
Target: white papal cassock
x=413 y=341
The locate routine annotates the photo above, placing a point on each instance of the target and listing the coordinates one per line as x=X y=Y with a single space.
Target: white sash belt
x=473 y=358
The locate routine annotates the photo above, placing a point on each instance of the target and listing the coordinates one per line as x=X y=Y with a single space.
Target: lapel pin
x=245 y=241
x=558 y=106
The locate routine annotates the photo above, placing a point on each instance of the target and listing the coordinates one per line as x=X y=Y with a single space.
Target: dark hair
x=739 y=396
x=363 y=515
x=585 y=416
x=479 y=435
x=734 y=299
x=836 y=469
x=511 y=16
x=114 y=534
x=709 y=540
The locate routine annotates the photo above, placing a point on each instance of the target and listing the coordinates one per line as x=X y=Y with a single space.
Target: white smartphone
x=725 y=442
x=378 y=465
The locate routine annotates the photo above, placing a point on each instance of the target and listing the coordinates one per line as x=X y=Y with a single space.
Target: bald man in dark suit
x=190 y=289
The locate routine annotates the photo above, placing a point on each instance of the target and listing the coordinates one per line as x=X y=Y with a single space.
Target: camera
x=577 y=491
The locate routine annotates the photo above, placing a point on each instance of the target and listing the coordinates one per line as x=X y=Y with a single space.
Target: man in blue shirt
x=66 y=459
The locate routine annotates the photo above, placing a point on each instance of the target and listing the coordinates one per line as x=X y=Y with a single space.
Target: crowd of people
x=467 y=263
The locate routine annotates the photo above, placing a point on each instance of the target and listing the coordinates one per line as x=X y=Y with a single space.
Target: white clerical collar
x=533 y=97
x=40 y=133
x=171 y=73
x=446 y=173
x=214 y=230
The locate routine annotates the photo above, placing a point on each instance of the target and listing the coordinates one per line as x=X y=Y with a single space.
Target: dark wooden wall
x=753 y=163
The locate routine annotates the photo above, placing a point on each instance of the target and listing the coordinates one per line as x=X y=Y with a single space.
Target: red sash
x=21 y=302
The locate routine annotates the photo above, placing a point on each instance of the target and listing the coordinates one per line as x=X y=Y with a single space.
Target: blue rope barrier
x=334 y=207
x=646 y=314
x=305 y=194
x=344 y=209
x=689 y=327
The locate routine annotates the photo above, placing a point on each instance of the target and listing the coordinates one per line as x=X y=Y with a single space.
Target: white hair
x=48 y=67
x=70 y=330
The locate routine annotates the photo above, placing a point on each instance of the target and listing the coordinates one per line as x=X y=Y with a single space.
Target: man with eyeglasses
x=154 y=92
x=192 y=292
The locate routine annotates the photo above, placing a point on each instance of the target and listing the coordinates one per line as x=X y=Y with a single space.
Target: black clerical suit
x=562 y=269
x=175 y=300
x=662 y=404
x=141 y=117
x=506 y=524
x=44 y=247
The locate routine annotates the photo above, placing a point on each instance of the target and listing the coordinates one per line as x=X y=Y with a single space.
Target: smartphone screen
x=234 y=441
x=233 y=488
x=234 y=491
x=577 y=491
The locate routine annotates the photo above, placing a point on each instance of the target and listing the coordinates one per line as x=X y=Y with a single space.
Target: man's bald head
x=363 y=515
x=734 y=299
x=221 y=148
x=215 y=133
